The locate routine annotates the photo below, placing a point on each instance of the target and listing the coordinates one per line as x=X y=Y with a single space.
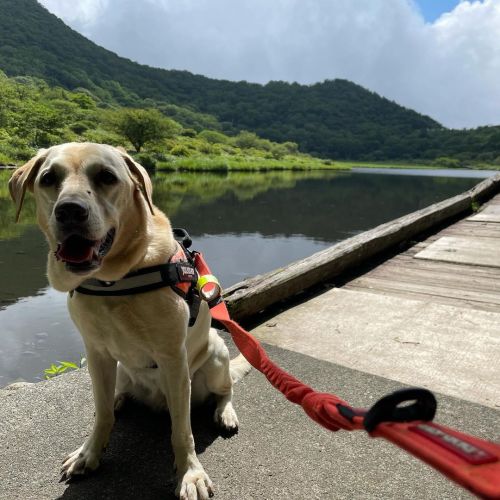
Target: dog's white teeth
x=106 y=243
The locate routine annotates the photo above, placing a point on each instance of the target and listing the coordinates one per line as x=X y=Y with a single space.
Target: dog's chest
x=132 y=328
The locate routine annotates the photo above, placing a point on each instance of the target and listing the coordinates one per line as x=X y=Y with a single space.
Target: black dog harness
x=179 y=273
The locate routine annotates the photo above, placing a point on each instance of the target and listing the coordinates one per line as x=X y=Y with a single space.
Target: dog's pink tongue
x=76 y=250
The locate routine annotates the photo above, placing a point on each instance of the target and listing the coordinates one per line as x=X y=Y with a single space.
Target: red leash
x=471 y=462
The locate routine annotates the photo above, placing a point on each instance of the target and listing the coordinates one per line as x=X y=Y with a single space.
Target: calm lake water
x=245 y=223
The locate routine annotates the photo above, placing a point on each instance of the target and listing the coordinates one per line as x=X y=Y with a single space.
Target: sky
x=439 y=57
x=433 y=9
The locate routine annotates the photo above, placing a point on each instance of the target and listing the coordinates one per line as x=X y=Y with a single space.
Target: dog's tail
x=239 y=367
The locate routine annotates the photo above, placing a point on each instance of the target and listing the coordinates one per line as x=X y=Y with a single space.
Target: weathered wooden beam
x=255 y=294
x=485 y=189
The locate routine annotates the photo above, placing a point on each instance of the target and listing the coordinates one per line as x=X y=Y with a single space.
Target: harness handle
x=182 y=236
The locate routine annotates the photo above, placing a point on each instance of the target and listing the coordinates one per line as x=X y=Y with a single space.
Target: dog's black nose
x=67 y=212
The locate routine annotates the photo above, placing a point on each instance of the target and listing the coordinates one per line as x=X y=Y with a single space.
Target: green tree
x=141 y=126
x=246 y=140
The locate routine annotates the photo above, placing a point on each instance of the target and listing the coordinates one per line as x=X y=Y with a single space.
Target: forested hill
x=336 y=119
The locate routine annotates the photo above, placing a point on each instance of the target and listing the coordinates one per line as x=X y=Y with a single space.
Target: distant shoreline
x=220 y=165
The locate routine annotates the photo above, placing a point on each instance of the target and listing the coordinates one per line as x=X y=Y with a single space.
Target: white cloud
x=81 y=13
x=449 y=69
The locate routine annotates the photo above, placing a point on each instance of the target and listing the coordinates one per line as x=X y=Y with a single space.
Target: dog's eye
x=48 y=179
x=106 y=177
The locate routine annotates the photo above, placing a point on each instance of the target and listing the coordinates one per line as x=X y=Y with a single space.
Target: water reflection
x=245 y=224
x=36 y=332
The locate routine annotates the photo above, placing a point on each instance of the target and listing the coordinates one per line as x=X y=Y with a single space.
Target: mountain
x=336 y=119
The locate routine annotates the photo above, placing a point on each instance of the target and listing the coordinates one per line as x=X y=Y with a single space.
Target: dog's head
x=84 y=193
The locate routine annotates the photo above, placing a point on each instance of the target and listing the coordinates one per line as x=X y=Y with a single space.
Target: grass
x=290 y=162
x=248 y=163
x=63 y=366
x=360 y=164
x=409 y=164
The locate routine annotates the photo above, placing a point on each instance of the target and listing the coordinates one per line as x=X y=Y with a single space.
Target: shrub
x=79 y=127
x=102 y=136
x=291 y=147
x=180 y=150
x=246 y=140
x=213 y=137
x=205 y=147
x=146 y=160
x=189 y=132
x=445 y=162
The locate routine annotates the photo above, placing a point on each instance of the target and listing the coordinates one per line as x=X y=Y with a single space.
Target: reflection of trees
x=318 y=204
x=328 y=208
x=171 y=191
x=192 y=190
x=8 y=227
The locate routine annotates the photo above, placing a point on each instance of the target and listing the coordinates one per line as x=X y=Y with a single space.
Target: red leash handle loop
x=420 y=404
x=471 y=462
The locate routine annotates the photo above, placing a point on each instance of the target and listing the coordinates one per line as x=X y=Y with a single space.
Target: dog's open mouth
x=82 y=255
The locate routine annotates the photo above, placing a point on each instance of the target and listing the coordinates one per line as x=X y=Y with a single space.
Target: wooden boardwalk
x=459 y=265
x=427 y=316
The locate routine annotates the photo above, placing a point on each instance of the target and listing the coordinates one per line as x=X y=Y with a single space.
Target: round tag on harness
x=208 y=287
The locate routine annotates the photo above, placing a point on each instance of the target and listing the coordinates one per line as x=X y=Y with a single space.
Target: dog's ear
x=140 y=176
x=23 y=178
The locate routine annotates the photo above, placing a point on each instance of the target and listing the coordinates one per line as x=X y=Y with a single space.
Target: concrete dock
x=427 y=316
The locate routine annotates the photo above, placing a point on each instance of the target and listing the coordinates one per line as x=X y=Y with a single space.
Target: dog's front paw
x=195 y=485
x=79 y=462
x=227 y=419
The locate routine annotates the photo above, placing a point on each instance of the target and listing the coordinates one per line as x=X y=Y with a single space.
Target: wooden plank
x=494 y=201
x=478 y=232
x=421 y=245
x=480 y=252
x=403 y=261
x=474 y=228
x=422 y=296
x=490 y=213
x=432 y=289
x=485 y=189
x=457 y=281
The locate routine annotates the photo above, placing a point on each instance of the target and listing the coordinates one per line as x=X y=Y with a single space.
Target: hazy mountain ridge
x=337 y=119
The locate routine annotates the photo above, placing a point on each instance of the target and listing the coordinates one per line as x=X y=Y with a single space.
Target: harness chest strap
x=177 y=273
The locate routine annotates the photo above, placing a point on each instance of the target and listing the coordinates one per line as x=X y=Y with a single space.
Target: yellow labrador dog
x=94 y=205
